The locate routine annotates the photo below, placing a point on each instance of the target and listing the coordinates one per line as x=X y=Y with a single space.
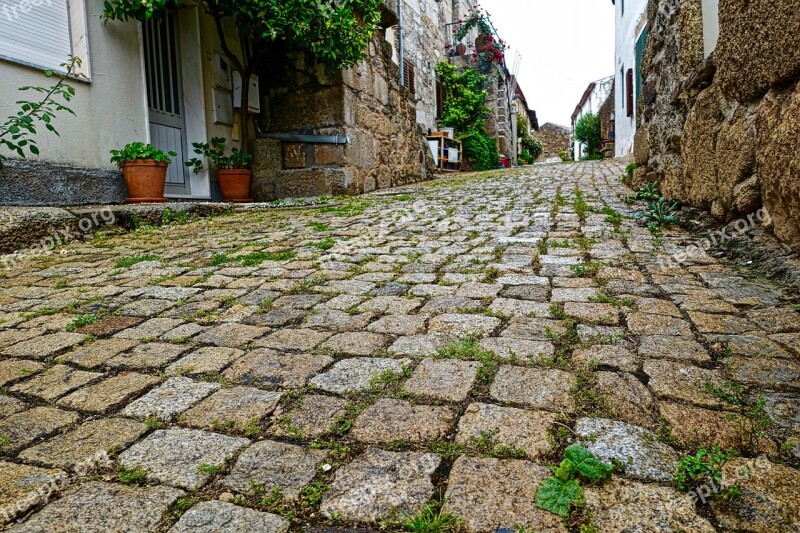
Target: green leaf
x=565 y=471
x=587 y=464
x=556 y=496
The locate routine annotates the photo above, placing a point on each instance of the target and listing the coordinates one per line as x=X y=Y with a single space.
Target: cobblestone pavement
x=356 y=365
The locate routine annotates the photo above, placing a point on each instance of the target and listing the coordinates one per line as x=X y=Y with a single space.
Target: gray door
x=165 y=98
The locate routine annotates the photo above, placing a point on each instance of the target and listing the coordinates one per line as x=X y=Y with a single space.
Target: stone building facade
x=555 y=139
x=720 y=113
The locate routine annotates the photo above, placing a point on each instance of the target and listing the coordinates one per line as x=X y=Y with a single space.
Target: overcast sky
x=565 y=45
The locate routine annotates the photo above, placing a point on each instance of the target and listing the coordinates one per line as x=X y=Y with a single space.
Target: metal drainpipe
x=301 y=138
x=400 y=42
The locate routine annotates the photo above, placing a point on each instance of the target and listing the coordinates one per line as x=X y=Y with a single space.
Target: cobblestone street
x=417 y=352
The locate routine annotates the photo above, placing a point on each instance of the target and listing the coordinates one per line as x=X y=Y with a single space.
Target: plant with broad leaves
x=660 y=213
x=648 y=192
x=215 y=152
x=17 y=133
x=138 y=151
x=558 y=493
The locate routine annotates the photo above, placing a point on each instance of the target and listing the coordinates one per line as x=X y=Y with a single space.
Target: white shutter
x=39 y=35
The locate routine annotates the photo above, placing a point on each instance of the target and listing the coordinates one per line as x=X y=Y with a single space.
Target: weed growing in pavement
x=127 y=262
x=752 y=420
x=613 y=216
x=562 y=492
x=648 y=192
x=82 y=320
x=490 y=274
x=211 y=470
x=252 y=259
x=486 y=445
x=604 y=298
x=319 y=227
x=132 y=476
x=586 y=270
x=431 y=519
x=580 y=205
x=325 y=244
x=170 y=217
x=705 y=468
x=468 y=349
x=153 y=423
x=660 y=213
x=305 y=286
x=557 y=311
x=447 y=450
x=589 y=399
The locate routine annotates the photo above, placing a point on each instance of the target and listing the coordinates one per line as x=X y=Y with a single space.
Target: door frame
x=191 y=65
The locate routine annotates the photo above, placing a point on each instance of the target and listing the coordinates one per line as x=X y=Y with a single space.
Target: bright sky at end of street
x=565 y=45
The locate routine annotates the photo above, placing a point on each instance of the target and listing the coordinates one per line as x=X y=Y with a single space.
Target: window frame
x=78 y=40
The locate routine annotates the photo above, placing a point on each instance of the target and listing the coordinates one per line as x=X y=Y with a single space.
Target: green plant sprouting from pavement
x=752 y=420
x=704 y=468
x=660 y=213
x=560 y=492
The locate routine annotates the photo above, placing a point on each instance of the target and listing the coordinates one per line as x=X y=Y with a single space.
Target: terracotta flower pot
x=480 y=44
x=235 y=184
x=145 y=179
x=461 y=49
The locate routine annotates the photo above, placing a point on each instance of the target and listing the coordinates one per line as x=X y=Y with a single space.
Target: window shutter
x=40 y=37
x=411 y=82
x=629 y=91
x=441 y=96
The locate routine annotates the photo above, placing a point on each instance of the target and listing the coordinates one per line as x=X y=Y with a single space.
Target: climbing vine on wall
x=465 y=110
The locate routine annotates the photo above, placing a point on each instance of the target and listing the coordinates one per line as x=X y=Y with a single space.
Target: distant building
x=631 y=37
x=555 y=139
x=593 y=98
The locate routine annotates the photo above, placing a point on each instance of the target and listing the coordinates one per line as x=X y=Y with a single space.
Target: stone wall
x=554 y=139
x=365 y=103
x=721 y=132
x=33 y=183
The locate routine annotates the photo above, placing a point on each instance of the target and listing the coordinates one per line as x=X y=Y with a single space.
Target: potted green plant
x=144 y=168
x=233 y=171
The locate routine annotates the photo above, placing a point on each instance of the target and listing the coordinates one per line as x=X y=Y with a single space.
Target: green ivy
x=465 y=110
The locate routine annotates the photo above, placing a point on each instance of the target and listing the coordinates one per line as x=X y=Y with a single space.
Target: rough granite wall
x=554 y=139
x=721 y=133
x=365 y=103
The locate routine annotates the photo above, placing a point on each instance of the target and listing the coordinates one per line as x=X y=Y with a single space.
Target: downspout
x=400 y=42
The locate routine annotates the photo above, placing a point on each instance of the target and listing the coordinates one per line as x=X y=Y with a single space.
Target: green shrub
x=482 y=150
x=532 y=144
x=587 y=131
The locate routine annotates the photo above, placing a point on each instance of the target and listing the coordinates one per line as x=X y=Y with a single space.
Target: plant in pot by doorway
x=144 y=168
x=233 y=171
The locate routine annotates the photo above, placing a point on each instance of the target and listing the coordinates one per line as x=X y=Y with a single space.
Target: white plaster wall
x=628 y=28
x=110 y=110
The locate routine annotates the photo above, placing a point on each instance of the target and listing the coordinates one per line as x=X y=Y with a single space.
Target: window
x=410 y=76
x=441 y=96
x=629 y=91
x=641 y=42
x=43 y=34
x=622 y=7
